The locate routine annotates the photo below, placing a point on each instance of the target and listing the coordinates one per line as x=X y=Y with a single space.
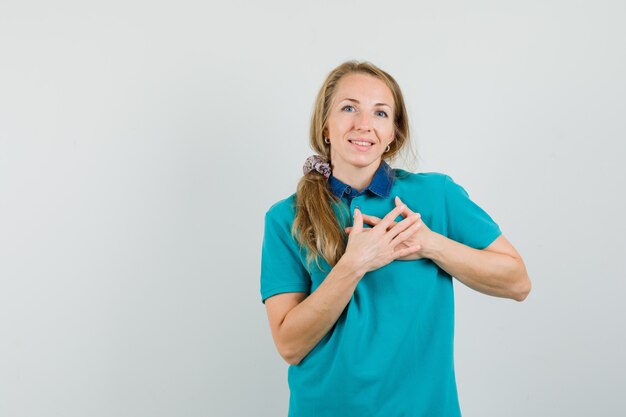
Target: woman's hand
x=372 y=248
x=418 y=235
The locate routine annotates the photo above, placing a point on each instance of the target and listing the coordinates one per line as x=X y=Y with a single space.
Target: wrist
x=436 y=246
x=350 y=269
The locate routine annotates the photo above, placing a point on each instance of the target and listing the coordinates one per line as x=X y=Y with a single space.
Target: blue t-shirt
x=390 y=353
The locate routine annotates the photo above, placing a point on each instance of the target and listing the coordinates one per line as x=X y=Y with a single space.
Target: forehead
x=364 y=88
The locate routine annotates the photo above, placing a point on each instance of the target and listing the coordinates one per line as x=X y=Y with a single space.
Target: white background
x=142 y=142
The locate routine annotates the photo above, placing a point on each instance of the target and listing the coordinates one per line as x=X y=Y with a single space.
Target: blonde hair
x=315 y=225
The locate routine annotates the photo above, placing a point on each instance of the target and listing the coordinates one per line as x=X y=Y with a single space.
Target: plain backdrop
x=141 y=143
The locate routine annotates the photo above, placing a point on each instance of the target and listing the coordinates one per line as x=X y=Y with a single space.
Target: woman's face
x=362 y=109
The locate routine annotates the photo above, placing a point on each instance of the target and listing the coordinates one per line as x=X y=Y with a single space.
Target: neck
x=356 y=177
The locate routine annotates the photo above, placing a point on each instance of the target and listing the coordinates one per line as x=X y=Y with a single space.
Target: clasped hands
x=411 y=235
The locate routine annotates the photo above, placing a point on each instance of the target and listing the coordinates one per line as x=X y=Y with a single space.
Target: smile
x=362 y=143
x=361 y=146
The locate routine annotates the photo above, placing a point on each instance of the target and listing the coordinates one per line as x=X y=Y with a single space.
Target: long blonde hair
x=316 y=226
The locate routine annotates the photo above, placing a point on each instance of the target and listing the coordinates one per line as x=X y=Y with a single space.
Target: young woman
x=357 y=265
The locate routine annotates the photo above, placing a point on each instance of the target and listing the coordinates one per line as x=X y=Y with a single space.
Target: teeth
x=361 y=143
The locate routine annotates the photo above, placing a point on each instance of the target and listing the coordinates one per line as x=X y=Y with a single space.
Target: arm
x=497 y=270
x=310 y=320
x=303 y=326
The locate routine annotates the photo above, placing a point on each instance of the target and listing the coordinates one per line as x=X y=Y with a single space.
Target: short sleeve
x=282 y=269
x=467 y=223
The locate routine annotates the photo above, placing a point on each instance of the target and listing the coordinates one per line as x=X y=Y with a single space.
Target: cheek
x=385 y=126
x=339 y=124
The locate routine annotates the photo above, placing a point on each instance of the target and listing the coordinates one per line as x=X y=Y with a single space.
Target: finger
x=373 y=220
x=390 y=225
x=406 y=213
x=349 y=229
x=370 y=220
x=389 y=218
x=406 y=251
x=402 y=236
x=357 y=225
x=408 y=224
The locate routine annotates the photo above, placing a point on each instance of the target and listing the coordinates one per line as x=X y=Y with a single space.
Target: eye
x=385 y=114
x=345 y=107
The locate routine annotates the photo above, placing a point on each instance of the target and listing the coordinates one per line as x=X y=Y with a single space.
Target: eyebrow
x=357 y=101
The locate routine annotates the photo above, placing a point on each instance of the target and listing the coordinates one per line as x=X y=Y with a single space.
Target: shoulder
x=283 y=210
x=431 y=181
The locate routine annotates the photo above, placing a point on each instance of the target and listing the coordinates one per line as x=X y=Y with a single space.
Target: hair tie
x=317 y=163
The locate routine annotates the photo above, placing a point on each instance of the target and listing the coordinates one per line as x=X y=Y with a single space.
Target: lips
x=362 y=148
x=361 y=140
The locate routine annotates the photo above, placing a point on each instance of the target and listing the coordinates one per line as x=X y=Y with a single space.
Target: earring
x=388 y=148
x=327 y=141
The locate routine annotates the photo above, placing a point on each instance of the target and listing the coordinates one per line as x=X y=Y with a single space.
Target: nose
x=362 y=121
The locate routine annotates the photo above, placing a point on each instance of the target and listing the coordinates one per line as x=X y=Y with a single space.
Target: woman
x=368 y=327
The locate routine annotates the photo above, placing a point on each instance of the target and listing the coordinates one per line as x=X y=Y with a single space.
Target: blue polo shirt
x=391 y=351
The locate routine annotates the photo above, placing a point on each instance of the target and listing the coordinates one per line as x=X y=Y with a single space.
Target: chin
x=357 y=160
x=363 y=161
